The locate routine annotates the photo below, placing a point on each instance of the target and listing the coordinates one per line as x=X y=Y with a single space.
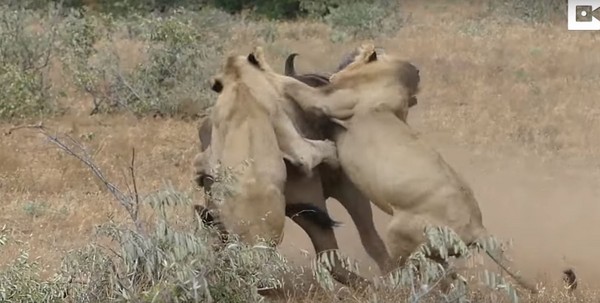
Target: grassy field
x=498 y=90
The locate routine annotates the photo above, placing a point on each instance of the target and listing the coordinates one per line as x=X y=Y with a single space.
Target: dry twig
x=72 y=147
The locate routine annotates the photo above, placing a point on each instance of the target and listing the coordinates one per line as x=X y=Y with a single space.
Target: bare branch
x=30 y=126
x=136 y=196
x=73 y=148
x=129 y=87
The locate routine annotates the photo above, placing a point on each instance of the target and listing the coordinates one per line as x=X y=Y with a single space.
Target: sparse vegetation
x=489 y=80
x=28 y=43
x=178 y=261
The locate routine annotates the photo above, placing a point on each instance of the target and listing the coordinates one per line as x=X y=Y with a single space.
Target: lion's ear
x=412 y=101
x=217 y=85
x=252 y=59
x=372 y=57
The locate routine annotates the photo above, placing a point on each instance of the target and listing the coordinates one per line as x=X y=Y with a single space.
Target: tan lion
x=386 y=160
x=320 y=79
x=306 y=195
x=249 y=124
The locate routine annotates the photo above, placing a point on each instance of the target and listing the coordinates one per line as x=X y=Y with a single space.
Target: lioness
x=386 y=160
x=249 y=124
x=316 y=80
x=306 y=195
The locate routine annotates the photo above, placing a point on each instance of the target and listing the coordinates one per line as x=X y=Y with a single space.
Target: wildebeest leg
x=317 y=227
x=324 y=240
x=359 y=208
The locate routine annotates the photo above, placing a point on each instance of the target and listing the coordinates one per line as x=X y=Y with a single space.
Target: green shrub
x=182 y=52
x=537 y=11
x=420 y=278
x=20 y=282
x=175 y=261
x=272 y=9
x=27 y=44
x=365 y=19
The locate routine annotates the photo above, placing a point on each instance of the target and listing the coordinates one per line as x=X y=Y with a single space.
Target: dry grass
x=491 y=84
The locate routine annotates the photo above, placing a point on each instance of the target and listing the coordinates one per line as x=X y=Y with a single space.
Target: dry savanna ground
x=511 y=105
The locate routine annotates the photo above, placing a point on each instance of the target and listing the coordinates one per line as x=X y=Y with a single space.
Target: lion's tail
x=570 y=277
x=311 y=213
x=528 y=285
x=481 y=233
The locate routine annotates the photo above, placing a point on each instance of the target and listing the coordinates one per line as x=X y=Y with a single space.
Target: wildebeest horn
x=290 y=70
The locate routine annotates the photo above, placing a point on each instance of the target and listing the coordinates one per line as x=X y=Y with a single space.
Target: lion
x=387 y=161
x=250 y=124
x=306 y=195
x=315 y=79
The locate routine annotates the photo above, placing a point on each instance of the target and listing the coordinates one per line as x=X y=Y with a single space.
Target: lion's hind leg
x=404 y=235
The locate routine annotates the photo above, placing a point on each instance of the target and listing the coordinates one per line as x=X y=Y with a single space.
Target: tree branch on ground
x=66 y=143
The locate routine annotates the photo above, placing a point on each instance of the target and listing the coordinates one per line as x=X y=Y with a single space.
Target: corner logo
x=583 y=15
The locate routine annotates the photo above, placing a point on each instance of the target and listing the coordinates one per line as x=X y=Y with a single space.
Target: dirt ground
x=507 y=104
x=548 y=208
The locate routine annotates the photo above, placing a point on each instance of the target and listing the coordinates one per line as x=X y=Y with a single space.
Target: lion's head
x=369 y=63
x=249 y=69
x=244 y=84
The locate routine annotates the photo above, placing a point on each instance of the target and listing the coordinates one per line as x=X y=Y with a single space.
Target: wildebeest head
x=311 y=79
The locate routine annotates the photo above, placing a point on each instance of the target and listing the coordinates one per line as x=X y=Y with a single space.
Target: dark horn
x=290 y=70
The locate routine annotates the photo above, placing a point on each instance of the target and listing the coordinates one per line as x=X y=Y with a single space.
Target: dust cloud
x=549 y=209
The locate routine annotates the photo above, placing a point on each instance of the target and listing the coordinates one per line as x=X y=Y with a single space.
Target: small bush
x=173 y=262
x=181 y=53
x=365 y=19
x=419 y=280
x=184 y=52
x=271 y=9
x=20 y=282
x=538 y=11
x=27 y=43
